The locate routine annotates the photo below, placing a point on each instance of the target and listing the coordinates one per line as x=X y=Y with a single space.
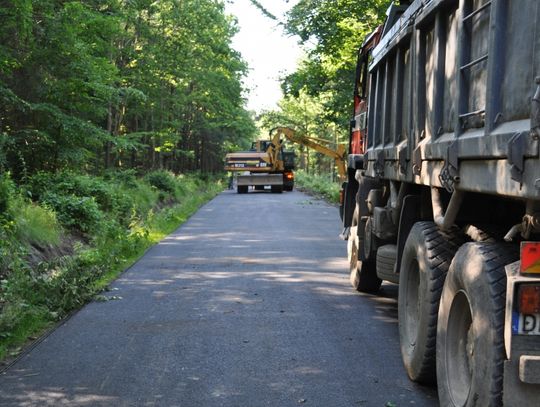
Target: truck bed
x=450 y=98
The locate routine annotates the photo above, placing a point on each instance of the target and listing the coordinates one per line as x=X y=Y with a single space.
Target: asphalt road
x=247 y=304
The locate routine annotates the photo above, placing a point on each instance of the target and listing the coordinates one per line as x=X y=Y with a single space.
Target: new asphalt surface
x=247 y=304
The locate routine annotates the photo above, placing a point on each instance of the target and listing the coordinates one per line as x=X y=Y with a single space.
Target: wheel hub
x=460 y=349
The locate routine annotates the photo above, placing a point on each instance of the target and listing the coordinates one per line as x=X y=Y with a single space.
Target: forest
x=115 y=116
x=96 y=85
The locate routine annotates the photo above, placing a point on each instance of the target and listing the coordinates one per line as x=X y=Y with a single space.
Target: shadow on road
x=248 y=304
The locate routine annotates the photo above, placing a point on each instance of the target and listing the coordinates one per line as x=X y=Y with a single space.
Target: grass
x=36 y=224
x=33 y=297
x=319 y=185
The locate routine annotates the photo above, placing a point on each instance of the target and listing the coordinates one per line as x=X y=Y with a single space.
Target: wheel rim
x=412 y=303
x=459 y=349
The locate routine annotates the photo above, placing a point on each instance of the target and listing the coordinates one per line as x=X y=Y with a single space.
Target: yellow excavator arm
x=273 y=153
x=317 y=144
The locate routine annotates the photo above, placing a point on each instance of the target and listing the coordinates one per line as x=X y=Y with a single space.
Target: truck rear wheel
x=277 y=189
x=363 y=274
x=470 y=337
x=426 y=258
x=242 y=189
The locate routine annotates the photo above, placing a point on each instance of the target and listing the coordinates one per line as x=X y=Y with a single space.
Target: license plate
x=529 y=324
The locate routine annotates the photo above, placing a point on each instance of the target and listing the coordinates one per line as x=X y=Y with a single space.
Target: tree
x=333 y=32
x=90 y=85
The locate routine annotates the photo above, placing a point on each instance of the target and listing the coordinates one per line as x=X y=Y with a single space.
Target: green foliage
x=33 y=295
x=162 y=180
x=318 y=184
x=119 y=84
x=143 y=197
x=36 y=224
x=126 y=178
x=335 y=31
x=73 y=212
x=7 y=189
x=113 y=194
x=18 y=320
x=70 y=183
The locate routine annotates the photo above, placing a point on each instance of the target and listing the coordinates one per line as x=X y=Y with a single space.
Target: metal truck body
x=444 y=194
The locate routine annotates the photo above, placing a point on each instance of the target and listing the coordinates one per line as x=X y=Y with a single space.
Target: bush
x=319 y=184
x=78 y=213
x=68 y=183
x=11 y=252
x=127 y=178
x=108 y=193
x=7 y=189
x=119 y=219
x=162 y=180
x=85 y=186
x=144 y=197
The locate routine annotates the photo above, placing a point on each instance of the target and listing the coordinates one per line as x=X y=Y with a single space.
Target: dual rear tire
x=451 y=309
x=470 y=329
x=362 y=266
x=451 y=306
x=427 y=255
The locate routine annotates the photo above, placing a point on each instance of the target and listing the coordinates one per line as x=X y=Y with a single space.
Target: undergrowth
x=64 y=237
x=318 y=184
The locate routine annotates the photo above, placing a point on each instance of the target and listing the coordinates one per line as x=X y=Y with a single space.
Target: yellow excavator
x=267 y=163
x=339 y=154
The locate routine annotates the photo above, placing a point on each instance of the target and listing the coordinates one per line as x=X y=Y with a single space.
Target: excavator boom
x=339 y=154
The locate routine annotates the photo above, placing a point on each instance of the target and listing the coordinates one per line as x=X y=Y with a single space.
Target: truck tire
x=386 y=260
x=242 y=189
x=277 y=189
x=363 y=274
x=427 y=255
x=470 y=330
x=259 y=188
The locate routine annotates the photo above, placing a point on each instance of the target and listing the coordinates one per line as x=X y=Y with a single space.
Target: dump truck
x=442 y=194
x=267 y=163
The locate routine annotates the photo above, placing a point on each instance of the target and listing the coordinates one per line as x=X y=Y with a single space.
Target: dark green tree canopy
x=332 y=32
x=131 y=83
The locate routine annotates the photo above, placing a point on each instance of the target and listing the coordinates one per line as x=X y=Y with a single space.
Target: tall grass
x=318 y=184
x=36 y=224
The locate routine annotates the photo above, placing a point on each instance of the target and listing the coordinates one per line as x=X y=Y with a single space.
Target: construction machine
x=267 y=163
